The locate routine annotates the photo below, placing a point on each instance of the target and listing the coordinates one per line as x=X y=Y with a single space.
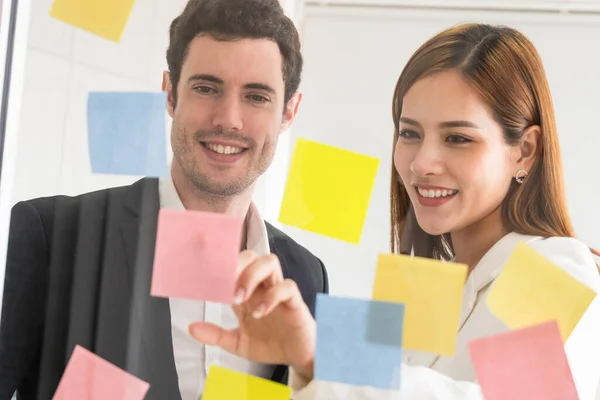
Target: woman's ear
x=529 y=147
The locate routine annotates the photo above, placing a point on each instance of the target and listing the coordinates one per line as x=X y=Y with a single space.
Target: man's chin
x=222 y=189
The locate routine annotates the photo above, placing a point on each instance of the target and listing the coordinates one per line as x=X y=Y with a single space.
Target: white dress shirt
x=193 y=359
x=426 y=376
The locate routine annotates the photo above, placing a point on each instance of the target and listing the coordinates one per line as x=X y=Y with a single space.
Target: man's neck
x=196 y=200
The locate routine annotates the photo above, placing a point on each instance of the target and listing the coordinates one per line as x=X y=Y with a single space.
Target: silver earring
x=520 y=176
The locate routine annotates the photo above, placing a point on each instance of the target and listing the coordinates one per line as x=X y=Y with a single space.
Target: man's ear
x=290 y=111
x=167 y=86
x=529 y=147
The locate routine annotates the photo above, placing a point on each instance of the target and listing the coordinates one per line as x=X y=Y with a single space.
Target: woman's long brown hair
x=505 y=69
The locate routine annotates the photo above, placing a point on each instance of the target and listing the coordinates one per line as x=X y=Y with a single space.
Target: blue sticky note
x=126 y=133
x=357 y=344
x=385 y=321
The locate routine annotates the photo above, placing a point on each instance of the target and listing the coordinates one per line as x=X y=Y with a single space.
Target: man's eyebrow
x=260 y=86
x=205 y=77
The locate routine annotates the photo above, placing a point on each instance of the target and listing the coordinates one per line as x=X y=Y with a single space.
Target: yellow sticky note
x=432 y=293
x=106 y=18
x=223 y=383
x=531 y=290
x=328 y=190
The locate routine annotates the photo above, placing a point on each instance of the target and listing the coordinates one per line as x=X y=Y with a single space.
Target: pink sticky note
x=524 y=364
x=89 y=377
x=196 y=255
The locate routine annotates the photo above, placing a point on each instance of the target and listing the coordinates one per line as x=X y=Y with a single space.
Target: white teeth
x=436 y=193
x=217 y=148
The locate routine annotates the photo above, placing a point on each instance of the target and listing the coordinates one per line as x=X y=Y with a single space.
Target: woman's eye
x=457 y=139
x=408 y=134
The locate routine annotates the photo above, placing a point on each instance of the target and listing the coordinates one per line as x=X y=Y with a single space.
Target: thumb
x=213 y=335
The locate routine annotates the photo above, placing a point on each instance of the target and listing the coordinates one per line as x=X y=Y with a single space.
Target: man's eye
x=258 y=98
x=204 y=89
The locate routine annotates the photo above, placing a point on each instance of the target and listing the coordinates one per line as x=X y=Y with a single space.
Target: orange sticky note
x=105 y=18
x=525 y=364
x=223 y=383
x=196 y=255
x=89 y=377
x=531 y=290
x=328 y=191
x=432 y=292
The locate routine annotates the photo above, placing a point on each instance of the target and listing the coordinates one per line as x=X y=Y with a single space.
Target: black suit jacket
x=78 y=273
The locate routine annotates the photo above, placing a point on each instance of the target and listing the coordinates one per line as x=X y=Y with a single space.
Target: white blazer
x=431 y=377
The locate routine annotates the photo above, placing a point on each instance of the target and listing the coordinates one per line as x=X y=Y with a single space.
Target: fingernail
x=259 y=311
x=239 y=296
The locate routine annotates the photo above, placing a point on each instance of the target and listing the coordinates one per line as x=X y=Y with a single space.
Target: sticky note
x=531 y=290
x=196 y=255
x=525 y=364
x=90 y=377
x=223 y=383
x=105 y=18
x=126 y=133
x=432 y=292
x=328 y=191
x=359 y=342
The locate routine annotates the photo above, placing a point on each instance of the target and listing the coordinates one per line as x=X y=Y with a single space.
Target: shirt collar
x=257 y=238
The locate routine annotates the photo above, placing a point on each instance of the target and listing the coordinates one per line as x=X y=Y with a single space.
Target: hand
x=275 y=325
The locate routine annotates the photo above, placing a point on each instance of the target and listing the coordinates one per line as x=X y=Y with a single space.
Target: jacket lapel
x=488 y=269
x=150 y=350
x=281 y=371
x=484 y=273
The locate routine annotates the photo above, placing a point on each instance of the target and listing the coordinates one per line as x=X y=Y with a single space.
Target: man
x=79 y=268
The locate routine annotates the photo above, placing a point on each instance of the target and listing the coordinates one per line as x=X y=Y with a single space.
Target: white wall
x=12 y=114
x=353 y=59
x=352 y=63
x=64 y=64
x=55 y=66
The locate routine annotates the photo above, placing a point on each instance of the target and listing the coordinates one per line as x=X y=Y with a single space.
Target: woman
x=476 y=169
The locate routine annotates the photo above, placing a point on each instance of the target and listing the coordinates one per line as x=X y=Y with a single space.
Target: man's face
x=229 y=113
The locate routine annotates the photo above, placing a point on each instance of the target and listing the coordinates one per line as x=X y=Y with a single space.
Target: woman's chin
x=435 y=232
x=434 y=229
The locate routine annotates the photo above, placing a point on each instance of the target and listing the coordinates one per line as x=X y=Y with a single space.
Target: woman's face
x=451 y=154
